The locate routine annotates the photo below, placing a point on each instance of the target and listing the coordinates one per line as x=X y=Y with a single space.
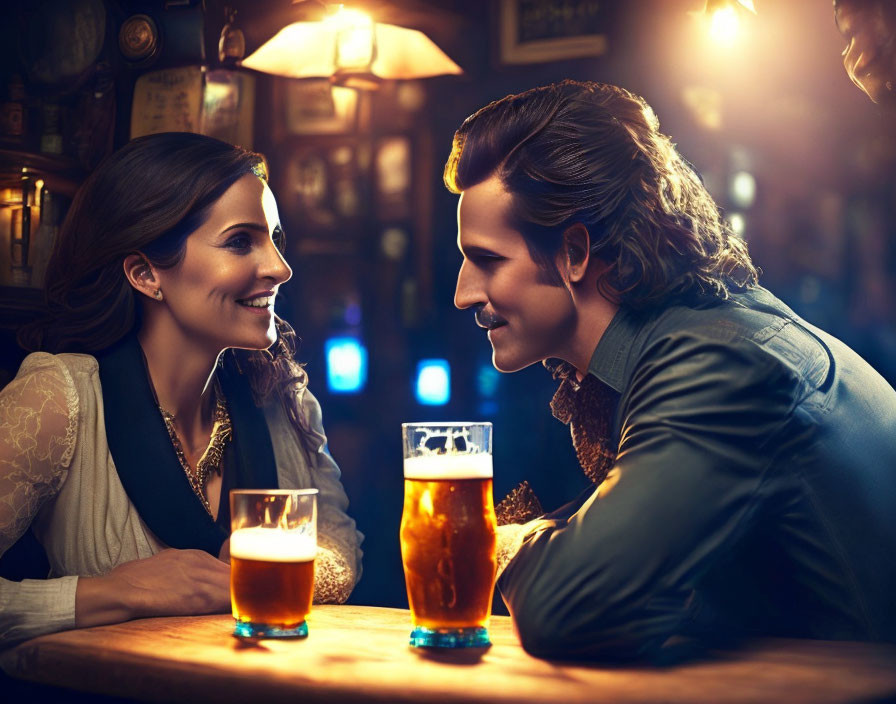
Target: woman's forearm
x=101 y=600
x=170 y=583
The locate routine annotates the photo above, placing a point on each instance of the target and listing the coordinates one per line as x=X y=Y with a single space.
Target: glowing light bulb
x=743 y=189
x=724 y=25
x=346 y=365
x=355 y=39
x=433 y=382
x=738 y=223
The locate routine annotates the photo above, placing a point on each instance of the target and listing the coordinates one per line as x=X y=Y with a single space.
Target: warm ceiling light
x=723 y=25
x=348 y=42
x=355 y=40
x=724 y=19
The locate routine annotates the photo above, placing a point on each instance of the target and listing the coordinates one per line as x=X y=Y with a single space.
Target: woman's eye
x=240 y=243
x=279 y=238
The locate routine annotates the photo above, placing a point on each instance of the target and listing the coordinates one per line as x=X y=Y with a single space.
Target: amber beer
x=448 y=540
x=271 y=576
x=273 y=543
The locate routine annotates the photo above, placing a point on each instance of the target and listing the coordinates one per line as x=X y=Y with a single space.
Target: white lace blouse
x=57 y=475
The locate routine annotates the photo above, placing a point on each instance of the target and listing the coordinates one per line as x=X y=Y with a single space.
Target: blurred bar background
x=800 y=161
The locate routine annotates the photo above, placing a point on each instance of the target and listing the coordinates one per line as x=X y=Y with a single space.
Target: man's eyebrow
x=476 y=249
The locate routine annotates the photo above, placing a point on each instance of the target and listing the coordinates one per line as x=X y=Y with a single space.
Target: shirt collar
x=608 y=363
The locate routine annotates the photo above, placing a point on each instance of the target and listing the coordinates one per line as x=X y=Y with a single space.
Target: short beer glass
x=273 y=543
x=448 y=532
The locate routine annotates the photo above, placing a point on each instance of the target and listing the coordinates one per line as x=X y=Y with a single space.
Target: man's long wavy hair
x=147 y=197
x=592 y=153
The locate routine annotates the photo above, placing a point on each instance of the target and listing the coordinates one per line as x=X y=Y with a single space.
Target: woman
x=171 y=381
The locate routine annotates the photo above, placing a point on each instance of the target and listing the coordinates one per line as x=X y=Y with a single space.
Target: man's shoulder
x=752 y=325
x=752 y=314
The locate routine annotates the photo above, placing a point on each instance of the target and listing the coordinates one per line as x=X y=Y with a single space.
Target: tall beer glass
x=273 y=544
x=448 y=532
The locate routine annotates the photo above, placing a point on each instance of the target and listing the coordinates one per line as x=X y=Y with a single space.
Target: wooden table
x=360 y=654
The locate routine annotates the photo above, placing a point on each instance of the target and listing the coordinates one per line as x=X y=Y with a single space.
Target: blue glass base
x=450 y=637
x=246 y=629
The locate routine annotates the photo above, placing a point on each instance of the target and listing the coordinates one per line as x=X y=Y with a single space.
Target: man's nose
x=467 y=292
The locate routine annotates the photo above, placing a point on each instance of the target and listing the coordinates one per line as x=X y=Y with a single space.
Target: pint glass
x=448 y=532
x=273 y=544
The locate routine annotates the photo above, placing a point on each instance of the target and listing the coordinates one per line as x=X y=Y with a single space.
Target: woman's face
x=221 y=294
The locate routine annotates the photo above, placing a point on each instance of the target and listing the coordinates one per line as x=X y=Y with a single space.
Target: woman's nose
x=274 y=265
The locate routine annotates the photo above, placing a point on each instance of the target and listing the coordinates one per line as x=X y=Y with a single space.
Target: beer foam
x=272 y=545
x=450 y=466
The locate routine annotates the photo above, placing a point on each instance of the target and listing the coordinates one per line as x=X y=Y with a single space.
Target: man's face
x=527 y=318
x=869 y=27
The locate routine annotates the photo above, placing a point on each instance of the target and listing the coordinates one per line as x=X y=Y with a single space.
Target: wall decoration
x=228 y=106
x=393 y=177
x=321 y=188
x=167 y=101
x=535 y=31
x=219 y=103
x=313 y=106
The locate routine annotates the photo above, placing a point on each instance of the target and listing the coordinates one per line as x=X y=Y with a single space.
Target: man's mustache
x=487 y=319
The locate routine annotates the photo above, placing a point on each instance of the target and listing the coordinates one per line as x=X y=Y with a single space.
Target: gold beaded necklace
x=210 y=462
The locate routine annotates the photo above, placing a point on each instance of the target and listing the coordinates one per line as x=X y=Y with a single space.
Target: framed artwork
x=315 y=107
x=392 y=177
x=228 y=106
x=536 y=31
x=219 y=103
x=167 y=101
x=321 y=188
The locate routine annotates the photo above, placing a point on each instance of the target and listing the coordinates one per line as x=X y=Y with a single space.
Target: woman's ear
x=576 y=252
x=142 y=276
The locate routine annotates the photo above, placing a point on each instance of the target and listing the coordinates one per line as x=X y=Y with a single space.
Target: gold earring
x=158 y=294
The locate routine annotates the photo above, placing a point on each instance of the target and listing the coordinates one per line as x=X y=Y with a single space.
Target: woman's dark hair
x=147 y=197
x=593 y=154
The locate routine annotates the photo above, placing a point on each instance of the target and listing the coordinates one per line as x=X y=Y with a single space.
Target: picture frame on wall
x=393 y=177
x=321 y=184
x=314 y=106
x=538 y=31
x=215 y=102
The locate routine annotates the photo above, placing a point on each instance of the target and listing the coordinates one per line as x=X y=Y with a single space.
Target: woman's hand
x=224 y=554
x=170 y=583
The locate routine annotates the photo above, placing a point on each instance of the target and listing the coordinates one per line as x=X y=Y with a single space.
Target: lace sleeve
x=339 y=555
x=38 y=424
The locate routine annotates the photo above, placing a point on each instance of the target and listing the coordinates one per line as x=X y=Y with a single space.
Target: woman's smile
x=259 y=303
x=231 y=260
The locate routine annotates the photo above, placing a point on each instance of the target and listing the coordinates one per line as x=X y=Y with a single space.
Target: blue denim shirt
x=754 y=491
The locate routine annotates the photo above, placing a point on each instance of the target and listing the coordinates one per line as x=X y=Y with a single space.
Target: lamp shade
x=308 y=50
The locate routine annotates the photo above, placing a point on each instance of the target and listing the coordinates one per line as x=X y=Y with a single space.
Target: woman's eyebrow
x=246 y=226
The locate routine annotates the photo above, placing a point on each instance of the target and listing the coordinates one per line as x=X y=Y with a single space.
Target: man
x=869 y=26
x=745 y=460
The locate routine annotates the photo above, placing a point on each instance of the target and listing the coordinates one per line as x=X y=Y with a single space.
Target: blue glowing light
x=488 y=408
x=487 y=379
x=433 y=382
x=346 y=365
